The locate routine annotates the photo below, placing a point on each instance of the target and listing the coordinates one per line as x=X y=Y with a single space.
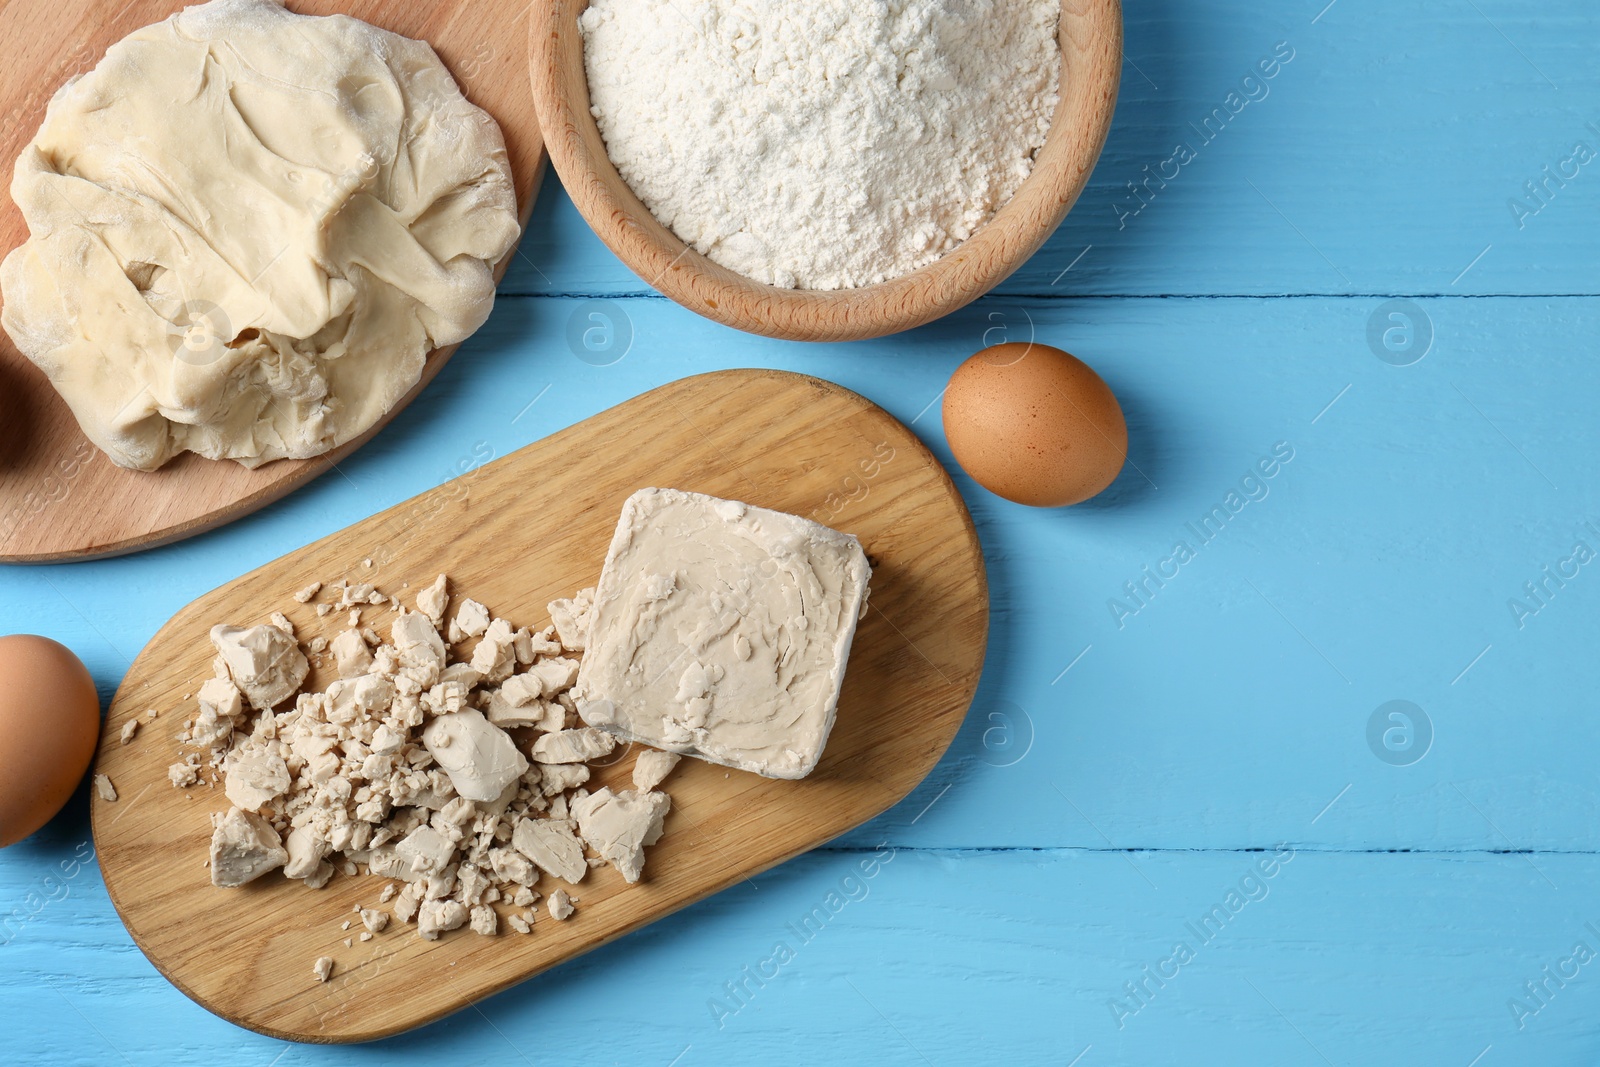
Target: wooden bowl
x=1091 y=59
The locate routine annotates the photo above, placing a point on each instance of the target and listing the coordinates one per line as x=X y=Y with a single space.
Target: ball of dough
x=247 y=230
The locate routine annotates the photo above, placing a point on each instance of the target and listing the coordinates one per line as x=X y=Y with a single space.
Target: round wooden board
x=514 y=535
x=60 y=497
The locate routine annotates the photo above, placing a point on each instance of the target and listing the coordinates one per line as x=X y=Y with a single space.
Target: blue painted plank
x=950 y=957
x=1382 y=158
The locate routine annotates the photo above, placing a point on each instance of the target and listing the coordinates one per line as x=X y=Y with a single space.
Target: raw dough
x=248 y=228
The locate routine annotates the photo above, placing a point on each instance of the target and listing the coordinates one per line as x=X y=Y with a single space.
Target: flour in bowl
x=826 y=144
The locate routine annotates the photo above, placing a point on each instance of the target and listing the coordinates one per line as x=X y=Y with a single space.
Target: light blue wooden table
x=1185 y=830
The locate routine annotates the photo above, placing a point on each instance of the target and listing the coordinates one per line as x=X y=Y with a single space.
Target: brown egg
x=49 y=723
x=1034 y=425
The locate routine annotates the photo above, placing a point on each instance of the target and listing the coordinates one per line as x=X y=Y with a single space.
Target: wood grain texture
x=43 y=454
x=1091 y=58
x=516 y=534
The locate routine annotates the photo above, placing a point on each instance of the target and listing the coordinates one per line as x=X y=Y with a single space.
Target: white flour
x=822 y=144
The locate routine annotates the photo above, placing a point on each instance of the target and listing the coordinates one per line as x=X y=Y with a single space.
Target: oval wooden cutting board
x=514 y=535
x=60 y=497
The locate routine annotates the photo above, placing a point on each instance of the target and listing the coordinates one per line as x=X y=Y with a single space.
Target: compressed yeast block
x=722 y=631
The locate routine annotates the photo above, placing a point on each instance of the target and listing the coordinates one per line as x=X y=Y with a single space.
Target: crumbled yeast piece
x=351 y=654
x=619 y=825
x=221 y=704
x=254 y=777
x=519 y=923
x=417 y=642
x=103 y=788
x=355 y=594
x=432 y=600
x=484 y=920
x=555 y=674
x=353 y=699
x=651 y=767
x=510 y=865
x=424 y=851
x=322 y=968
x=559 y=904
x=471 y=619
x=306 y=852
x=543 y=643
x=552 y=846
x=495 y=656
x=244 y=846
x=522 y=646
x=264 y=662
x=570 y=617
x=182 y=775
x=516 y=703
x=406 y=904
x=480 y=758
x=304 y=595
x=460 y=674
x=520 y=690
x=437 y=917
x=472 y=885
x=129 y=728
x=560 y=777
x=573 y=746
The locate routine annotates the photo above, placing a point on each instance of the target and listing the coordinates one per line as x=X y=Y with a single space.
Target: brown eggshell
x=49 y=723
x=1034 y=425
